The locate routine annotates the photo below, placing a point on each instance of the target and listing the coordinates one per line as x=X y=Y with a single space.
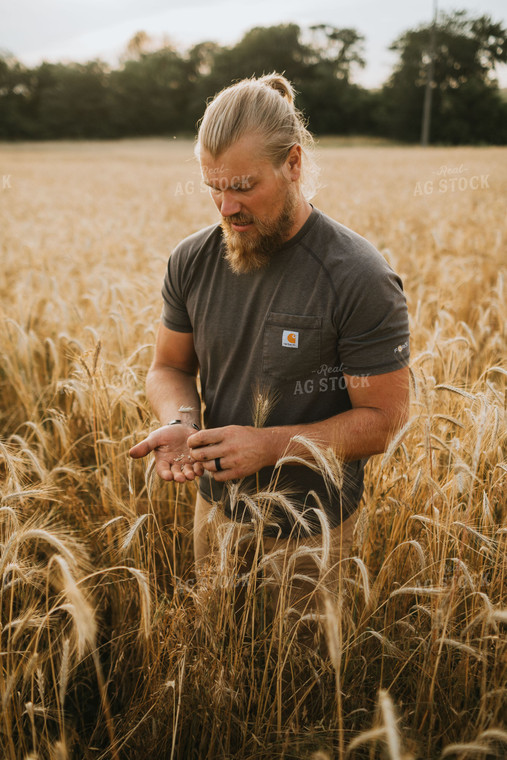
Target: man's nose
x=229 y=205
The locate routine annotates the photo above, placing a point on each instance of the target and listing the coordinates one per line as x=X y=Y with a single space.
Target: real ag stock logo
x=452 y=179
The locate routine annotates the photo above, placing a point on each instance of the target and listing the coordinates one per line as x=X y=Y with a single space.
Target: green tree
x=16 y=120
x=150 y=94
x=260 y=51
x=340 y=49
x=72 y=100
x=332 y=102
x=467 y=106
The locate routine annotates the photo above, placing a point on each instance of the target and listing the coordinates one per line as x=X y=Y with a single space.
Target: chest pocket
x=291 y=348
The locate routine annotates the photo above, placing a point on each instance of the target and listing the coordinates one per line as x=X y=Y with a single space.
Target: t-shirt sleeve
x=373 y=334
x=174 y=312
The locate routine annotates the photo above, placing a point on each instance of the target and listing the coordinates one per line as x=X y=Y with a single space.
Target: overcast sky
x=80 y=30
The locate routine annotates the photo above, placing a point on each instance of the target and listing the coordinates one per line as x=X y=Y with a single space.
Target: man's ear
x=293 y=163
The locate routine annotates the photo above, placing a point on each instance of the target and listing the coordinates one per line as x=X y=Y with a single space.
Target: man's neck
x=303 y=212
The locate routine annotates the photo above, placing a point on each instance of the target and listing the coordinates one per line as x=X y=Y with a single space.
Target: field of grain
x=108 y=648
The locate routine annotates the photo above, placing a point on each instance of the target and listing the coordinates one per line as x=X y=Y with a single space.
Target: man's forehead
x=224 y=167
x=222 y=174
x=211 y=169
x=245 y=157
x=222 y=177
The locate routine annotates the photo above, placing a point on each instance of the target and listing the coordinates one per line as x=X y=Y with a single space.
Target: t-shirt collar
x=294 y=240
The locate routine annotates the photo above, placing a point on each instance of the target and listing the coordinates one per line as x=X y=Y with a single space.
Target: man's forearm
x=354 y=434
x=171 y=390
x=380 y=408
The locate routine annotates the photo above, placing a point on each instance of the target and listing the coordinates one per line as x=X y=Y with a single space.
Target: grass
x=108 y=647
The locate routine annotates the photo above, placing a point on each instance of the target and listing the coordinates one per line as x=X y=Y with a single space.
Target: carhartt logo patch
x=290 y=339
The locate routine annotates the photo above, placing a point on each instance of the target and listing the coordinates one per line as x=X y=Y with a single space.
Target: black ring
x=218 y=465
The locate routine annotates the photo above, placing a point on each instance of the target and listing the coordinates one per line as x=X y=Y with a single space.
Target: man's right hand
x=172 y=455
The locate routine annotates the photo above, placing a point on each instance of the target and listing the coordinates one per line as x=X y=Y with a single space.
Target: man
x=281 y=303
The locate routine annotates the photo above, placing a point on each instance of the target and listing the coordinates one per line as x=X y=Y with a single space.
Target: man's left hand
x=240 y=450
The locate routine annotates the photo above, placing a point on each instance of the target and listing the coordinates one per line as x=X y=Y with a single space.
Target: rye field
x=108 y=647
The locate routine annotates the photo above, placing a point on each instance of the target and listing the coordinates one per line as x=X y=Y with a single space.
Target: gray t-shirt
x=327 y=303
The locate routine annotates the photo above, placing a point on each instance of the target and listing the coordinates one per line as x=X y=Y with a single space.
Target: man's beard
x=253 y=249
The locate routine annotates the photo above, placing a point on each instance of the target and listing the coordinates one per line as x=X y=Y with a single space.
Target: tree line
x=157 y=90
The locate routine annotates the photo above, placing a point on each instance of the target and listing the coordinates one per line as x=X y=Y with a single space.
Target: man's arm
x=171 y=388
x=379 y=408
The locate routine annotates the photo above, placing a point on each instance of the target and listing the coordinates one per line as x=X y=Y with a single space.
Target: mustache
x=238 y=219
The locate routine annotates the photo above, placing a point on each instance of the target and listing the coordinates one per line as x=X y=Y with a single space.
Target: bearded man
x=281 y=301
